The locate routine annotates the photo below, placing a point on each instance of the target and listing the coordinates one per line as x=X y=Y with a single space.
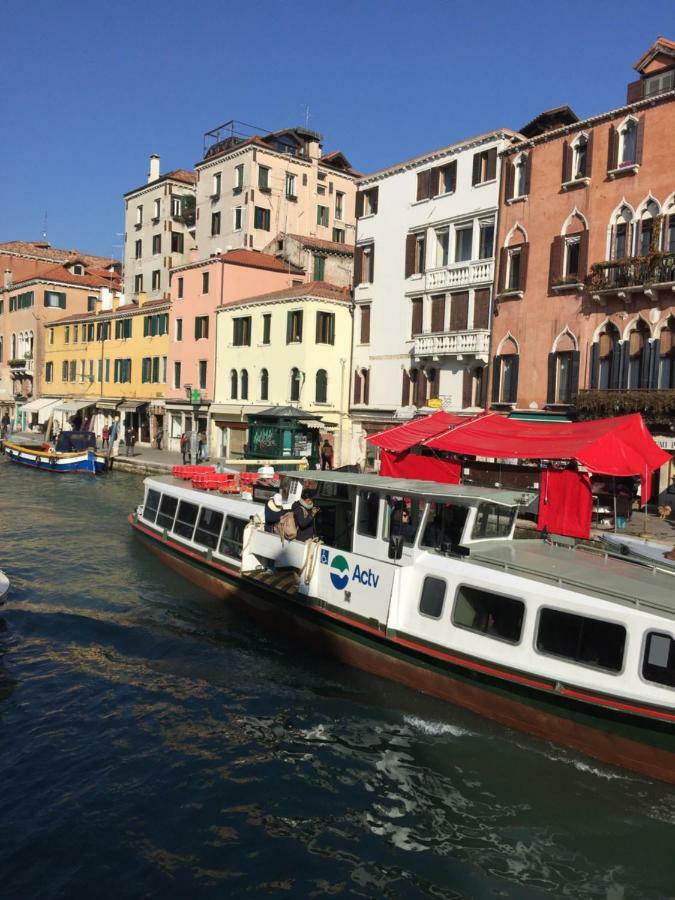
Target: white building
x=423 y=274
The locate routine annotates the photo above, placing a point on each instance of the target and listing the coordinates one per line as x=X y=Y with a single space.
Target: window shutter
x=566 y=162
x=365 y=324
x=657 y=351
x=475 y=175
x=574 y=376
x=496 y=374
x=513 y=393
x=357 y=386
x=639 y=140
x=583 y=255
x=556 y=260
x=372 y=263
x=423 y=183
x=421 y=389
x=528 y=170
x=432 y=380
x=438 y=313
x=459 y=311
x=359 y=204
x=467 y=388
x=589 y=155
x=453 y=175
x=416 y=327
x=635 y=343
x=552 y=370
x=405 y=389
x=365 y=375
x=666 y=341
x=491 y=164
x=645 y=364
x=374 y=199
x=318 y=328
x=509 y=179
x=481 y=308
x=409 y=255
x=594 y=367
x=503 y=263
x=612 y=148
x=289 y=327
x=358 y=265
x=635 y=91
x=615 y=365
x=524 y=256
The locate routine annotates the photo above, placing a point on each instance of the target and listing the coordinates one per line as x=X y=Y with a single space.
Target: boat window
x=433 y=597
x=369 y=509
x=445 y=525
x=403 y=516
x=493 y=521
x=233 y=537
x=335 y=523
x=151 y=505
x=659 y=660
x=208 y=528
x=167 y=510
x=494 y=615
x=589 y=641
x=186 y=518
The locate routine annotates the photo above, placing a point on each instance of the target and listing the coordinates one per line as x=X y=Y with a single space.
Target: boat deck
x=286 y=580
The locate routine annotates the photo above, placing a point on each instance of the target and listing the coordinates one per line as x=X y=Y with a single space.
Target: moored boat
x=73 y=451
x=423 y=583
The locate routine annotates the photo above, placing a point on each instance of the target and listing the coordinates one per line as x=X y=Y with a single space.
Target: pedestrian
x=105 y=436
x=327 y=455
x=274 y=510
x=304 y=513
x=185 y=447
x=5 y=424
x=201 y=446
x=158 y=436
x=129 y=440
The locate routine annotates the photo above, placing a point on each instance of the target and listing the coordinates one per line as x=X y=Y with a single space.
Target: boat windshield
x=493 y=521
x=404 y=517
x=445 y=525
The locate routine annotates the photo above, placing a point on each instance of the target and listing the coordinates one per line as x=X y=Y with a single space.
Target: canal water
x=155 y=743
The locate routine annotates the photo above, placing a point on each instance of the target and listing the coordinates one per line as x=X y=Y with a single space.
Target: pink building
x=197 y=290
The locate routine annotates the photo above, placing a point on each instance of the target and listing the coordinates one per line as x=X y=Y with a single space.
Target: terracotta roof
x=45 y=251
x=113 y=277
x=123 y=310
x=549 y=120
x=62 y=275
x=331 y=159
x=321 y=290
x=184 y=175
x=259 y=260
x=315 y=243
x=660 y=44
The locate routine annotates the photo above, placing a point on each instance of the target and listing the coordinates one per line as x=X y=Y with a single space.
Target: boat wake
x=436 y=729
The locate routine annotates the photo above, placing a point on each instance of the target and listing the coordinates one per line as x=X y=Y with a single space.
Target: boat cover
x=403 y=437
x=72 y=441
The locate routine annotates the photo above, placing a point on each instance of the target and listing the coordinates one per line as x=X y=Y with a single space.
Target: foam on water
x=435 y=729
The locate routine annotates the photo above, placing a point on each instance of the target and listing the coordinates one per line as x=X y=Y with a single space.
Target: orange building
x=584 y=314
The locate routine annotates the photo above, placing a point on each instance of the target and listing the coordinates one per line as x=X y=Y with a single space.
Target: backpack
x=286 y=527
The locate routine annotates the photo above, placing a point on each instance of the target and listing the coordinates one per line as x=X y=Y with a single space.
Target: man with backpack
x=304 y=514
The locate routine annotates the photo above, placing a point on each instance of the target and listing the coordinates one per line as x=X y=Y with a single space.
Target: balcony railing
x=455 y=343
x=462 y=274
x=21 y=366
x=657 y=405
x=633 y=272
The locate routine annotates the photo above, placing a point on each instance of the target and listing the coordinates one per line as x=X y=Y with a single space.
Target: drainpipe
x=215 y=351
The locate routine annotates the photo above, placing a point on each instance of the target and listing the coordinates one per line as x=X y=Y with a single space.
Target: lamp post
x=195 y=398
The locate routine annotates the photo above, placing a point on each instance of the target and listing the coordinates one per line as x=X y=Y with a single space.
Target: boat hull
x=610 y=735
x=49 y=461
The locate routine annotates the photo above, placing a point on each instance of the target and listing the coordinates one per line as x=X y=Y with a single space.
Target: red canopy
x=403 y=437
x=620 y=446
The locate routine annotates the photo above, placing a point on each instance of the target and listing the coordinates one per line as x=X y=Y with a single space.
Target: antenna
x=307 y=115
x=44 y=228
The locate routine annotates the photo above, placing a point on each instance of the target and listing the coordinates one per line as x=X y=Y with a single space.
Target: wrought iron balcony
x=453 y=343
x=464 y=274
x=632 y=273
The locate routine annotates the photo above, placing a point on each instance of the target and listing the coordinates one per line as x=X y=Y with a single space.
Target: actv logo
x=339 y=574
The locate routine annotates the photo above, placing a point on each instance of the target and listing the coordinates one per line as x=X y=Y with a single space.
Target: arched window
x=295 y=385
x=321 y=393
x=569 y=252
x=513 y=261
x=669 y=226
x=648 y=238
x=520 y=176
x=580 y=157
x=605 y=359
x=666 y=345
x=234 y=381
x=264 y=384
x=638 y=355
x=563 y=371
x=505 y=373
x=621 y=237
x=243 y=384
x=628 y=142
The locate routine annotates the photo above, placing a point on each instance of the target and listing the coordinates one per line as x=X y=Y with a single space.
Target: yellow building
x=110 y=364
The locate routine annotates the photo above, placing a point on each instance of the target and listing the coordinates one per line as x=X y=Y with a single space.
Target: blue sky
x=91 y=89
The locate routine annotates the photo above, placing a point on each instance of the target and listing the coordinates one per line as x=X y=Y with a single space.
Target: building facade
x=288 y=347
x=423 y=275
x=321 y=260
x=159 y=230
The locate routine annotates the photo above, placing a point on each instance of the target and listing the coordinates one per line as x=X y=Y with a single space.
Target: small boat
x=651 y=552
x=424 y=583
x=74 y=451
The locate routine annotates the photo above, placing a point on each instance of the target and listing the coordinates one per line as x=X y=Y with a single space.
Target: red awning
x=619 y=446
x=403 y=437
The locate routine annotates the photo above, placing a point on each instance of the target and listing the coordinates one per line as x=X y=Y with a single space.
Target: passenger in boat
x=274 y=510
x=304 y=513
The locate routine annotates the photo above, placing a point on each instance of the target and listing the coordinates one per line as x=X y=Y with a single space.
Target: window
x=49 y=372
x=638 y=356
x=419 y=246
x=264 y=384
x=432 y=597
x=22 y=301
x=103 y=331
x=237 y=225
x=202 y=376
x=658 y=664
x=180 y=287
x=294 y=327
x=463 y=243
x=91 y=304
x=322 y=215
x=151 y=505
x=122 y=371
x=365 y=324
x=666 y=349
x=177 y=243
x=179 y=330
x=239 y=177
x=571 y=261
x=628 y=143
x=176 y=375
x=484 y=166
x=64 y=370
x=146 y=370
x=494 y=615
x=505 y=377
x=123 y=329
x=232 y=541
x=263 y=178
x=167 y=511
x=176 y=207
x=156 y=279
x=50 y=332
x=186 y=519
x=155 y=324
x=445 y=526
x=325 y=328
x=657 y=84
x=339 y=235
x=290 y=186
x=241 y=331
x=54 y=300
x=319 y=269
x=296 y=383
x=368 y=265
x=267 y=328
x=138 y=249
x=417 y=315
x=76 y=329
x=513 y=272
x=339 y=205
x=139 y=215
x=205 y=282
x=402 y=517
x=201 y=327
x=215 y=224
x=605 y=359
x=215 y=185
x=261 y=218
x=99 y=373
x=156 y=244
x=321 y=392
x=234 y=384
x=208 y=528
x=592 y=642
x=366 y=202
x=580 y=157
x=66 y=337
x=156 y=208
x=442 y=247
x=493 y=521
x=90 y=331
x=520 y=186
x=368 y=514
x=447 y=178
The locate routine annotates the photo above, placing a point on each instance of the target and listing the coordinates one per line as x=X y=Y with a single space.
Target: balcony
x=20 y=367
x=454 y=343
x=459 y=275
x=657 y=405
x=633 y=275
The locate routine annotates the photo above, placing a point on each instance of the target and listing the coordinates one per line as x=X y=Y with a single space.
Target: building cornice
x=159 y=183
x=289 y=301
x=108 y=315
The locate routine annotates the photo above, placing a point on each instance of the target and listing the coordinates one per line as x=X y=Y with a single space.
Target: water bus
x=424 y=583
x=73 y=451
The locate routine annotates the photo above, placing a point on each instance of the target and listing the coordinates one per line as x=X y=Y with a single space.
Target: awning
x=403 y=437
x=107 y=404
x=36 y=405
x=73 y=406
x=132 y=405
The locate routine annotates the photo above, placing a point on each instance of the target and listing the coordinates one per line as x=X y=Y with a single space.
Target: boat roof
x=431 y=490
x=579 y=568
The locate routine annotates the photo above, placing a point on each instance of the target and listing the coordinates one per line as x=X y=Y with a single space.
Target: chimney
x=153 y=174
x=8 y=278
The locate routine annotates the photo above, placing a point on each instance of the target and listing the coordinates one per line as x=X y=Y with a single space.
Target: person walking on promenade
x=327 y=455
x=129 y=440
x=105 y=436
x=185 y=447
x=158 y=437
